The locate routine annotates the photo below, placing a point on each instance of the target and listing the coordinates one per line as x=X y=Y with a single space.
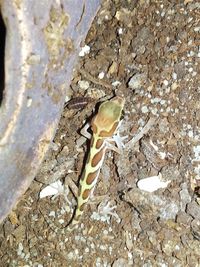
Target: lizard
x=104 y=126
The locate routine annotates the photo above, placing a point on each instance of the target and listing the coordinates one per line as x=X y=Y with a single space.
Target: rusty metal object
x=42 y=45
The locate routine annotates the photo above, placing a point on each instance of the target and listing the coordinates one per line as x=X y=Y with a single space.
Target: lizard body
x=104 y=126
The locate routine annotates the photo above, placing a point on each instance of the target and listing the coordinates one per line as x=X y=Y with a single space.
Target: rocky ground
x=149 y=52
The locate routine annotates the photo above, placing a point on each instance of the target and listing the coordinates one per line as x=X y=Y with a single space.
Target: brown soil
x=147 y=51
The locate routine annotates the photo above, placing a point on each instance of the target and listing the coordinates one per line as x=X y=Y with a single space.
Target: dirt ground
x=149 y=52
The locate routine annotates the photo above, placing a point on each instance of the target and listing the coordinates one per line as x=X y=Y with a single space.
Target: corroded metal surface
x=42 y=44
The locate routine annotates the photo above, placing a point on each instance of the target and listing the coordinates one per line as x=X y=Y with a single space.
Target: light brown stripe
x=97 y=158
x=94 y=127
x=91 y=177
x=109 y=133
x=99 y=143
x=86 y=194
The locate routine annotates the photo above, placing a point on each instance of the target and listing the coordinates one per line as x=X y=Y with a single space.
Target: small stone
x=183 y=218
x=164 y=126
x=184 y=196
x=174 y=86
x=94 y=93
x=85 y=50
x=70 y=255
x=19 y=233
x=83 y=84
x=168 y=247
x=13 y=218
x=137 y=80
x=190 y=69
x=101 y=75
x=113 y=68
x=20 y=249
x=121 y=262
x=129 y=241
x=145 y=109
x=196 y=150
x=154 y=111
x=151 y=184
x=190 y=134
x=193 y=209
x=195 y=224
x=197 y=29
x=120 y=31
x=165 y=82
x=169 y=211
x=61 y=221
x=87 y=250
x=29 y=102
x=116 y=83
x=52 y=214
x=194 y=73
x=174 y=76
x=124 y=16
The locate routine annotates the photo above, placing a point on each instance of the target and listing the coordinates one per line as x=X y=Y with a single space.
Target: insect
x=105 y=131
x=79 y=102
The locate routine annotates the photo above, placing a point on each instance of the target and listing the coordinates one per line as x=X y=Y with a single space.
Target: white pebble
x=70 y=255
x=61 y=221
x=194 y=73
x=87 y=250
x=174 y=76
x=151 y=184
x=162 y=102
x=154 y=111
x=20 y=249
x=116 y=83
x=105 y=232
x=120 y=31
x=190 y=69
x=145 y=109
x=83 y=84
x=165 y=82
x=197 y=29
x=85 y=50
x=52 y=214
x=190 y=134
x=162 y=14
x=101 y=75
x=29 y=102
x=191 y=54
x=137 y=80
x=52 y=189
x=67 y=98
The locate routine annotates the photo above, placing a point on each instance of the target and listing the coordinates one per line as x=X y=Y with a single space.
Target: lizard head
x=108 y=117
